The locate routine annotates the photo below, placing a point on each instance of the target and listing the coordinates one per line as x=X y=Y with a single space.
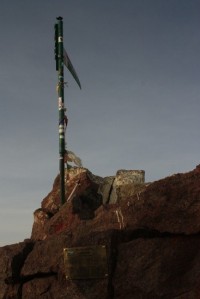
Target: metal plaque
x=86 y=262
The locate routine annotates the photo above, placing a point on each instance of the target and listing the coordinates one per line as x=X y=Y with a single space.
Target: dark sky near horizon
x=139 y=65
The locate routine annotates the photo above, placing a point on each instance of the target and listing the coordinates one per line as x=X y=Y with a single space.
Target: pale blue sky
x=139 y=65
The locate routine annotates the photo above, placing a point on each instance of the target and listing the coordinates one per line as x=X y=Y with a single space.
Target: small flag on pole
x=70 y=67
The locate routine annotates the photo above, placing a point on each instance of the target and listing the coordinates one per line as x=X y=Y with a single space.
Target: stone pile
x=151 y=232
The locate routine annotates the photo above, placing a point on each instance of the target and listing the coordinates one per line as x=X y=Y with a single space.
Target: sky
x=139 y=66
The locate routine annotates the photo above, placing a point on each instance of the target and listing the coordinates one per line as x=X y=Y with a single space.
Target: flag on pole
x=70 y=67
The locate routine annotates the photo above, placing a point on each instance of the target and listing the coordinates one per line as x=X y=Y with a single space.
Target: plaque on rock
x=86 y=262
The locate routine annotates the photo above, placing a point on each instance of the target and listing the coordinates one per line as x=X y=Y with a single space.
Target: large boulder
x=158 y=267
x=78 y=180
x=124 y=184
x=82 y=189
x=12 y=258
x=48 y=274
x=168 y=205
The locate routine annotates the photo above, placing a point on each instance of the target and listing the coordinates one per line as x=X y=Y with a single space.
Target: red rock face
x=168 y=205
x=158 y=268
x=12 y=258
x=81 y=184
x=151 y=235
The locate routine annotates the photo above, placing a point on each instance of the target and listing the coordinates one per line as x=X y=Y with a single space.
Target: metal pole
x=61 y=109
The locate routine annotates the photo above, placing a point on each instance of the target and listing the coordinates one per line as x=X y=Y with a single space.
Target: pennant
x=70 y=67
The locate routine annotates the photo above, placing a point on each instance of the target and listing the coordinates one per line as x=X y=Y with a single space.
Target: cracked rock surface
x=151 y=232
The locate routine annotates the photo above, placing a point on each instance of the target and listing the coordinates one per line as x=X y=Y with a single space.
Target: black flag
x=70 y=67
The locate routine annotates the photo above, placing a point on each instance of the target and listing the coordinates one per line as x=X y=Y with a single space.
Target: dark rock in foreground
x=151 y=232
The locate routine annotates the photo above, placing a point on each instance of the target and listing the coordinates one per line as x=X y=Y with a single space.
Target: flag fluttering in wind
x=70 y=67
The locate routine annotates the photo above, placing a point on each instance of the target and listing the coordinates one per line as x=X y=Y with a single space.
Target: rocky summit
x=151 y=233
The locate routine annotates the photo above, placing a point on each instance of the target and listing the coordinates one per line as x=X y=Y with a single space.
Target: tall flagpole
x=62 y=58
x=61 y=109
